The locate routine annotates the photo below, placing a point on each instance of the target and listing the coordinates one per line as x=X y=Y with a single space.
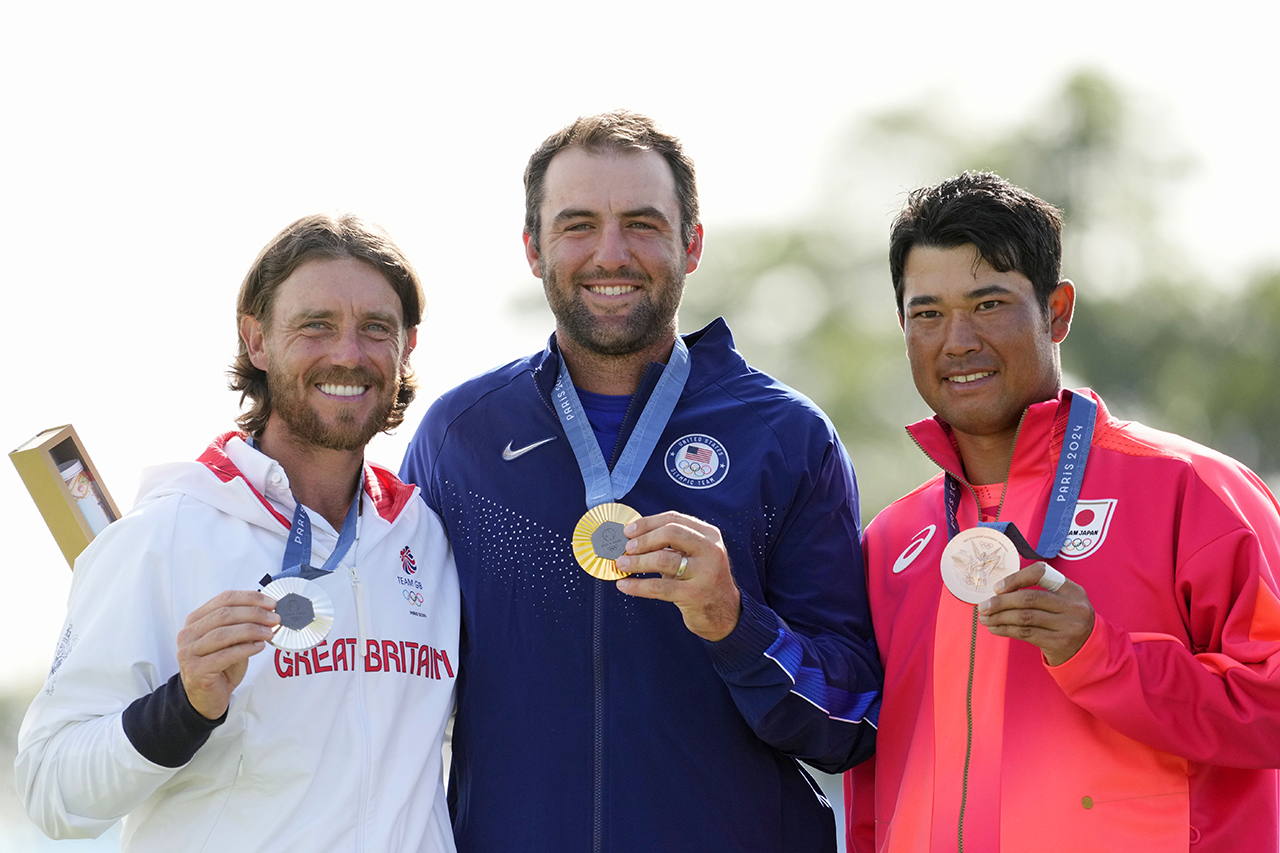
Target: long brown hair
x=319 y=236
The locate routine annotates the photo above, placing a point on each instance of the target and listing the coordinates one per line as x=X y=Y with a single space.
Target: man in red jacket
x=1078 y=617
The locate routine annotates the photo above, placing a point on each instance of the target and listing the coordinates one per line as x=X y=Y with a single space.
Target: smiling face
x=981 y=348
x=611 y=259
x=334 y=352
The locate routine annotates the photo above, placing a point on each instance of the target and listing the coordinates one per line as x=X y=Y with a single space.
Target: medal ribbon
x=603 y=486
x=297 y=549
x=1066 y=487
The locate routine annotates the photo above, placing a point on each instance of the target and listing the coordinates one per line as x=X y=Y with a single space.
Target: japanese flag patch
x=1089 y=526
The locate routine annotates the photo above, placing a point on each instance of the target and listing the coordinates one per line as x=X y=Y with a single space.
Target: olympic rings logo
x=1078 y=544
x=696 y=470
x=412 y=597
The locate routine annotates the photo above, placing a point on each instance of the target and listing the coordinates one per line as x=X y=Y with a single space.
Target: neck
x=617 y=375
x=985 y=457
x=322 y=480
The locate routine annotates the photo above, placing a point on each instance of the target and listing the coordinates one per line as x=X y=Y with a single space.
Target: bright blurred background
x=149 y=150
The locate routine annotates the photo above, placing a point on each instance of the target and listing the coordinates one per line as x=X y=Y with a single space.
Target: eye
x=642 y=226
x=989 y=304
x=925 y=314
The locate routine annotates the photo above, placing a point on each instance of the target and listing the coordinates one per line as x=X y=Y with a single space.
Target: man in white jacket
x=160 y=707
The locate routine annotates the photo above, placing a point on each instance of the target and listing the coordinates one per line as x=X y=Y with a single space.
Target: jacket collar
x=1036 y=448
x=229 y=458
x=711 y=355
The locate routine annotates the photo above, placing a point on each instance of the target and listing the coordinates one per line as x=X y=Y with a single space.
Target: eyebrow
x=304 y=317
x=645 y=212
x=978 y=293
x=308 y=316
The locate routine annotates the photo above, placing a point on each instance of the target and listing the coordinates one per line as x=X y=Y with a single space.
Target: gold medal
x=598 y=540
x=974 y=560
x=305 y=611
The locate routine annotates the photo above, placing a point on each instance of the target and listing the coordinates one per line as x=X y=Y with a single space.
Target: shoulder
x=921 y=505
x=764 y=401
x=1203 y=468
x=503 y=386
x=498 y=381
x=390 y=496
x=773 y=411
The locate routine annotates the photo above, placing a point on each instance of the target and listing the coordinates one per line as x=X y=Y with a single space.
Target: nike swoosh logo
x=918 y=542
x=508 y=454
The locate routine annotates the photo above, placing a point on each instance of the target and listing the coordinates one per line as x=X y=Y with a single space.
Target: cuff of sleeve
x=165 y=728
x=1089 y=660
x=756 y=631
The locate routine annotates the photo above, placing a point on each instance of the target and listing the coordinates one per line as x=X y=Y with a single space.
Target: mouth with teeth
x=342 y=390
x=971 y=377
x=611 y=289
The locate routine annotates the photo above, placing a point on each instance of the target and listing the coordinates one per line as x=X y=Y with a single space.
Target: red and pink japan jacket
x=1157 y=735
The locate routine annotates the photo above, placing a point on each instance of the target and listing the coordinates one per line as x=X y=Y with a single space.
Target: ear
x=531 y=255
x=410 y=341
x=254 y=340
x=694 y=253
x=1062 y=304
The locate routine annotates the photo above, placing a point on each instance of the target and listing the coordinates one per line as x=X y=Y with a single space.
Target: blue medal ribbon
x=297 y=549
x=601 y=485
x=1082 y=416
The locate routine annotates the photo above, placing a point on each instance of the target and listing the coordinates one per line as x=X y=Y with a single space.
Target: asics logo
x=508 y=454
x=918 y=543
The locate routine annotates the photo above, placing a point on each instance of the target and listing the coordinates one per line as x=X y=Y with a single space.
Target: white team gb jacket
x=337 y=748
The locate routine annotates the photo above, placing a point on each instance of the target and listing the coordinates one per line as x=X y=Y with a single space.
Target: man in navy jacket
x=593 y=715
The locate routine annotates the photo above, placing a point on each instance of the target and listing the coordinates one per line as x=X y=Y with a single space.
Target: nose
x=612 y=251
x=960 y=337
x=348 y=348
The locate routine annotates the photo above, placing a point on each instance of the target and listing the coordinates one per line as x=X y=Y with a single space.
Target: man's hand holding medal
x=1057 y=619
x=692 y=565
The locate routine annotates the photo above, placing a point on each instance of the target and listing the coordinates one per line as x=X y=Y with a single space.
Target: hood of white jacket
x=234 y=478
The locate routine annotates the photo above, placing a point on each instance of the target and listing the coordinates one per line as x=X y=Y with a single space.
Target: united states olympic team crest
x=697 y=461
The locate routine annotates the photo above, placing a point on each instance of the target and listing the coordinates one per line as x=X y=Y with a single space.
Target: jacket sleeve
x=1213 y=694
x=77 y=770
x=418 y=465
x=801 y=662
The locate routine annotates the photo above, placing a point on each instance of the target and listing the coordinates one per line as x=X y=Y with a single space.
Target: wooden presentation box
x=66 y=488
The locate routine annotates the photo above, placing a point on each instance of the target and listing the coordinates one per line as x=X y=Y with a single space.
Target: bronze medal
x=974 y=560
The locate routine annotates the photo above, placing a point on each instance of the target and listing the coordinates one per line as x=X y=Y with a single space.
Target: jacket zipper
x=973 y=634
x=361 y=708
x=597 y=677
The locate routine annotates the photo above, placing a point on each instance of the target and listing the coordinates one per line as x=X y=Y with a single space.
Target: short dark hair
x=618 y=131
x=1012 y=229
x=326 y=237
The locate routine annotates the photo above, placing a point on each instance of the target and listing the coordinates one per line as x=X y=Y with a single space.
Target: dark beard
x=305 y=425
x=647 y=322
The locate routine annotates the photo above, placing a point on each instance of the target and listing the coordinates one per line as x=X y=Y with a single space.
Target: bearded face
x=335 y=353
x=340 y=427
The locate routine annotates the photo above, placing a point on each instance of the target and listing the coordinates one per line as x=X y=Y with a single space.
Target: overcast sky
x=150 y=150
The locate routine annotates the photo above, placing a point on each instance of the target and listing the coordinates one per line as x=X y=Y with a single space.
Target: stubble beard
x=346 y=433
x=646 y=323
